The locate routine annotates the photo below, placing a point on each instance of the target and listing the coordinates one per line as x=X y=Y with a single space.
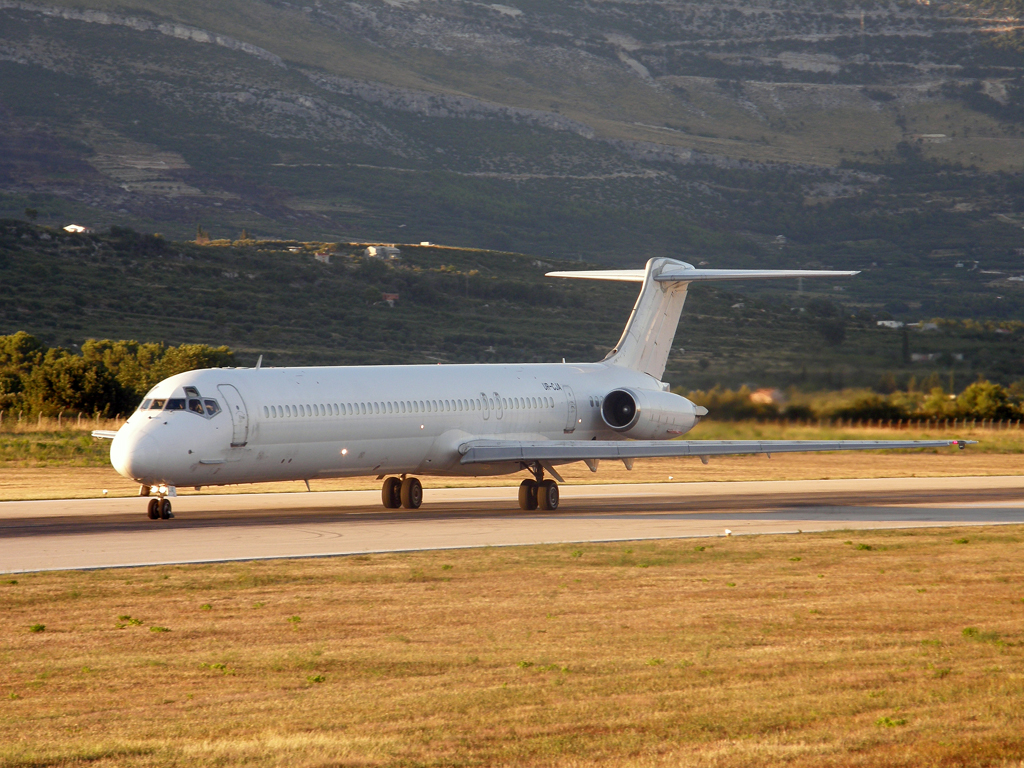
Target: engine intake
x=649 y=415
x=620 y=409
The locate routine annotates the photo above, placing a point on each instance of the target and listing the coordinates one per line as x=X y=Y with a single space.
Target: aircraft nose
x=135 y=456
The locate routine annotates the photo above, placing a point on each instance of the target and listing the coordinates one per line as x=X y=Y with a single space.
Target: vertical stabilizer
x=647 y=338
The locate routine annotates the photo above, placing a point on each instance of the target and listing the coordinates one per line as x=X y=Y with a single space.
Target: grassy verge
x=880 y=648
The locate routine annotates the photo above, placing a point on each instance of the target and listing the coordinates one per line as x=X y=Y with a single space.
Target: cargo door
x=239 y=415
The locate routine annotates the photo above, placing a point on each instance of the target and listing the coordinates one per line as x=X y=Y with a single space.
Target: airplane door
x=571 y=417
x=239 y=415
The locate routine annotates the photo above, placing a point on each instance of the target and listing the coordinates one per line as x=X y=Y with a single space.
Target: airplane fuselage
x=270 y=424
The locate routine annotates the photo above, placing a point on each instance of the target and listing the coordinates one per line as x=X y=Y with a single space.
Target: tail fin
x=648 y=335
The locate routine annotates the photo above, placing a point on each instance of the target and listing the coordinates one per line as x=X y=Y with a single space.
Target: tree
x=20 y=352
x=985 y=400
x=31 y=214
x=65 y=382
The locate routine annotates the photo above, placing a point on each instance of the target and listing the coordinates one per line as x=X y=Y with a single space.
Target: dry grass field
x=870 y=649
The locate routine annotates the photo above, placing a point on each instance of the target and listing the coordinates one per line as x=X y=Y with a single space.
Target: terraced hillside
x=861 y=132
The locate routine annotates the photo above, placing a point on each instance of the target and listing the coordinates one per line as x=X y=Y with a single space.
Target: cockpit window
x=212 y=408
x=157 y=405
x=195 y=405
x=145 y=405
x=176 y=404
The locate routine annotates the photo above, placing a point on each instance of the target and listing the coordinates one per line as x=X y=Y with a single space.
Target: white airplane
x=225 y=426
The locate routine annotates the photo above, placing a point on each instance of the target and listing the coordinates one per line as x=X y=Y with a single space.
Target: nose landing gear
x=160 y=508
x=402 y=492
x=538 y=493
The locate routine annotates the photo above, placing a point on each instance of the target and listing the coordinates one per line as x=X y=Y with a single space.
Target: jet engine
x=644 y=414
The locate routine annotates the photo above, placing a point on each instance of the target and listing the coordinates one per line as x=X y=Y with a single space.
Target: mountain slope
x=614 y=131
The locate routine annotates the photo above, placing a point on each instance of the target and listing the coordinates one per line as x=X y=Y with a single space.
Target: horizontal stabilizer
x=699 y=275
x=494 y=451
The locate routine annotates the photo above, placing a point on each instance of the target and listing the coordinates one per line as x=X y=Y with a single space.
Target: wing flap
x=494 y=451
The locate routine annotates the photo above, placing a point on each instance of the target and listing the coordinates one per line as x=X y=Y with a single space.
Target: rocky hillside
x=875 y=132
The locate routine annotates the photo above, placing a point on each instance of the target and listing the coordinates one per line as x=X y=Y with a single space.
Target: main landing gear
x=160 y=507
x=402 y=492
x=538 y=493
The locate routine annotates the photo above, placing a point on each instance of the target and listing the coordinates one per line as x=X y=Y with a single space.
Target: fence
x=17 y=421
x=911 y=424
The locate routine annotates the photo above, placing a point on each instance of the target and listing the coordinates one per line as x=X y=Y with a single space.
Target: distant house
x=767 y=396
x=323 y=257
x=425 y=242
x=77 y=229
x=890 y=323
x=383 y=252
x=390 y=298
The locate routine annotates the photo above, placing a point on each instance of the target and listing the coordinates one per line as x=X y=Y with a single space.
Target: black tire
x=154 y=509
x=391 y=493
x=412 y=493
x=547 y=495
x=165 y=509
x=528 y=495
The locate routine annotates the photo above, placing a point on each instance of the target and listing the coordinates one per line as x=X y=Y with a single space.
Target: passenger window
x=504 y=404
x=266 y=412
x=176 y=404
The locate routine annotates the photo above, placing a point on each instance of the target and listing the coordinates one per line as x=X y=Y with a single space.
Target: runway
x=103 y=533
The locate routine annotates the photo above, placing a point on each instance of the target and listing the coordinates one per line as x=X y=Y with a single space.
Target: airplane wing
x=104 y=434
x=494 y=451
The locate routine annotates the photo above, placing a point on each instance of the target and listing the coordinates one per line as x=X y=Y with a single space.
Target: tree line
x=982 y=399
x=105 y=377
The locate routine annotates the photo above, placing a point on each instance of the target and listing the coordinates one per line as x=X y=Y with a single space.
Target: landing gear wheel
x=528 y=495
x=391 y=493
x=547 y=495
x=412 y=493
x=165 y=509
x=154 y=509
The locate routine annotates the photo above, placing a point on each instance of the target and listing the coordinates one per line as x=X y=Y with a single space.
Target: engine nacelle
x=644 y=414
